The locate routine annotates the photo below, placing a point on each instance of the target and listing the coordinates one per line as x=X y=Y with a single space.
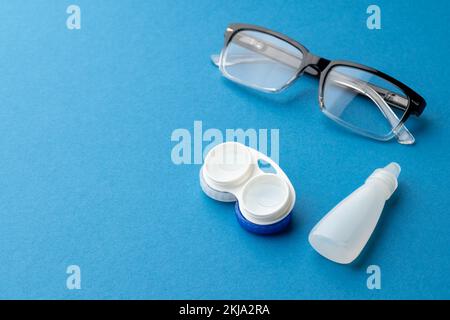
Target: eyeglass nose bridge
x=315 y=65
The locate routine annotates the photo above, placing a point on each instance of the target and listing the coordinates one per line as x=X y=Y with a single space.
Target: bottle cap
x=388 y=175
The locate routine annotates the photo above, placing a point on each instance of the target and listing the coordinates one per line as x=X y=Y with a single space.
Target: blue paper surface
x=87 y=179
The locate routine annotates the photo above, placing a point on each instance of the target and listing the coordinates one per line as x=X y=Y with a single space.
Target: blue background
x=86 y=175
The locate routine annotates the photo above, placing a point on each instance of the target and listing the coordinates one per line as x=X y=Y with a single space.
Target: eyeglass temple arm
x=283 y=56
x=393 y=99
x=375 y=93
x=401 y=132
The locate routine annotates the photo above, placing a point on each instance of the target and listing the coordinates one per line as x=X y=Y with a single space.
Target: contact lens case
x=264 y=200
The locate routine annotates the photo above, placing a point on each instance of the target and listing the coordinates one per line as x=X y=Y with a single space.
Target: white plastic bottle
x=342 y=234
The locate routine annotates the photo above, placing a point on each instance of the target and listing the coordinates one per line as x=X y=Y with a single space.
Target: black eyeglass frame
x=320 y=67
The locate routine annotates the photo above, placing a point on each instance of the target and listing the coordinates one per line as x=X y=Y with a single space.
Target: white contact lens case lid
x=232 y=168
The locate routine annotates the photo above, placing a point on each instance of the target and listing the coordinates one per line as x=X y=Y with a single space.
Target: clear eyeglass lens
x=261 y=61
x=363 y=101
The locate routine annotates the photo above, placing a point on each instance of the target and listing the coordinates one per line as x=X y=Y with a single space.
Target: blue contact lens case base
x=274 y=228
x=264 y=201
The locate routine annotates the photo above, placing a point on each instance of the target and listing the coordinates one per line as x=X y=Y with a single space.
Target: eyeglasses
x=357 y=97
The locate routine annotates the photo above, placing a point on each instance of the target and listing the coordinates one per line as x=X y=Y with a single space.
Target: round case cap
x=228 y=163
x=265 y=199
